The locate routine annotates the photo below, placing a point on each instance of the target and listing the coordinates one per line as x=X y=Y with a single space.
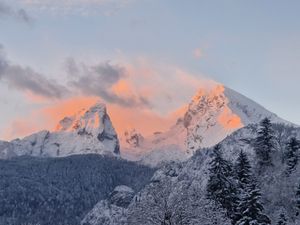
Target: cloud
x=3 y=62
x=166 y=87
x=44 y=117
x=198 y=53
x=140 y=83
x=19 y=14
x=47 y=117
x=19 y=128
x=140 y=94
x=22 y=15
x=70 y=3
x=28 y=80
x=101 y=80
x=84 y=7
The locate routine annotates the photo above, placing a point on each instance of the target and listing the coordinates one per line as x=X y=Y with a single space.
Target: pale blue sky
x=250 y=46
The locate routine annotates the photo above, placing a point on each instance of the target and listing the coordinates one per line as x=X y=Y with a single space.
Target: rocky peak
x=206 y=104
x=87 y=131
x=90 y=120
x=133 y=138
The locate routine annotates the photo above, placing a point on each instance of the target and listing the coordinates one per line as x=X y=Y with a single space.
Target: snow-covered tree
x=265 y=143
x=184 y=205
x=250 y=207
x=292 y=147
x=282 y=219
x=153 y=205
x=221 y=186
x=298 y=199
x=243 y=170
x=249 y=210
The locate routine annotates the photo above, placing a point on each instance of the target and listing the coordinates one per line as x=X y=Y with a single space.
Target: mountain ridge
x=212 y=114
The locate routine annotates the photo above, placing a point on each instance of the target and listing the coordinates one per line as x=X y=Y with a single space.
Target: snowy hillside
x=88 y=131
x=213 y=114
x=177 y=193
x=112 y=210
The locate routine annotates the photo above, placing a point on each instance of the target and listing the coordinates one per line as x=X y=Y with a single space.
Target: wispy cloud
x=140 y=83
x=147 y=93
x=84 y=7
x=28 y=80
x=99 y=80
x=6 y=11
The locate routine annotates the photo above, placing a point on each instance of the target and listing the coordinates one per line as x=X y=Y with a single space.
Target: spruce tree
x=293 y=147
x=243 y=170
x=298 y=199
x=282 y=220
x=265 y=142
x=250 y=208
x=221 y=187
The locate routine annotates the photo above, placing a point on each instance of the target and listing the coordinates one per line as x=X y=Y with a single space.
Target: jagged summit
x=88 y=131
x=212 y=114
x=85 y=121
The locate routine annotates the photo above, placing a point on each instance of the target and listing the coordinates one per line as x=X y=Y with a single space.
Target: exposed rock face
x=88 y=131
x=133 y=138
x=111 y=211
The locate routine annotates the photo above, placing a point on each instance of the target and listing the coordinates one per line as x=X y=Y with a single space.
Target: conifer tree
x=221 y=187
x=243 y=170
x=298 y=199
x=293 y=147
x=282 y=219
x=265 y=143
x=250 y=208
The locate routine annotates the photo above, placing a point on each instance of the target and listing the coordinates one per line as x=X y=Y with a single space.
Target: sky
x=144 y=58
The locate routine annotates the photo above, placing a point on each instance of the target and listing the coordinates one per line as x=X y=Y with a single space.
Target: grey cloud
x=97 y=80
x=23 y=15
x=26 y=79
x=20 y=14
x=4 y=9
x=3 y=62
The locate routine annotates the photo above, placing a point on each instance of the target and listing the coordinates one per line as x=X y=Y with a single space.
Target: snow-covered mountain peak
x=209 y=93
x=210 y=107
x=87 y=131
x=90 y=121
x=213 y=113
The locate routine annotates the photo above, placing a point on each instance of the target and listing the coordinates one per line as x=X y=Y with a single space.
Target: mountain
x=177 y=192
x=212 y=114
x=88 y=131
